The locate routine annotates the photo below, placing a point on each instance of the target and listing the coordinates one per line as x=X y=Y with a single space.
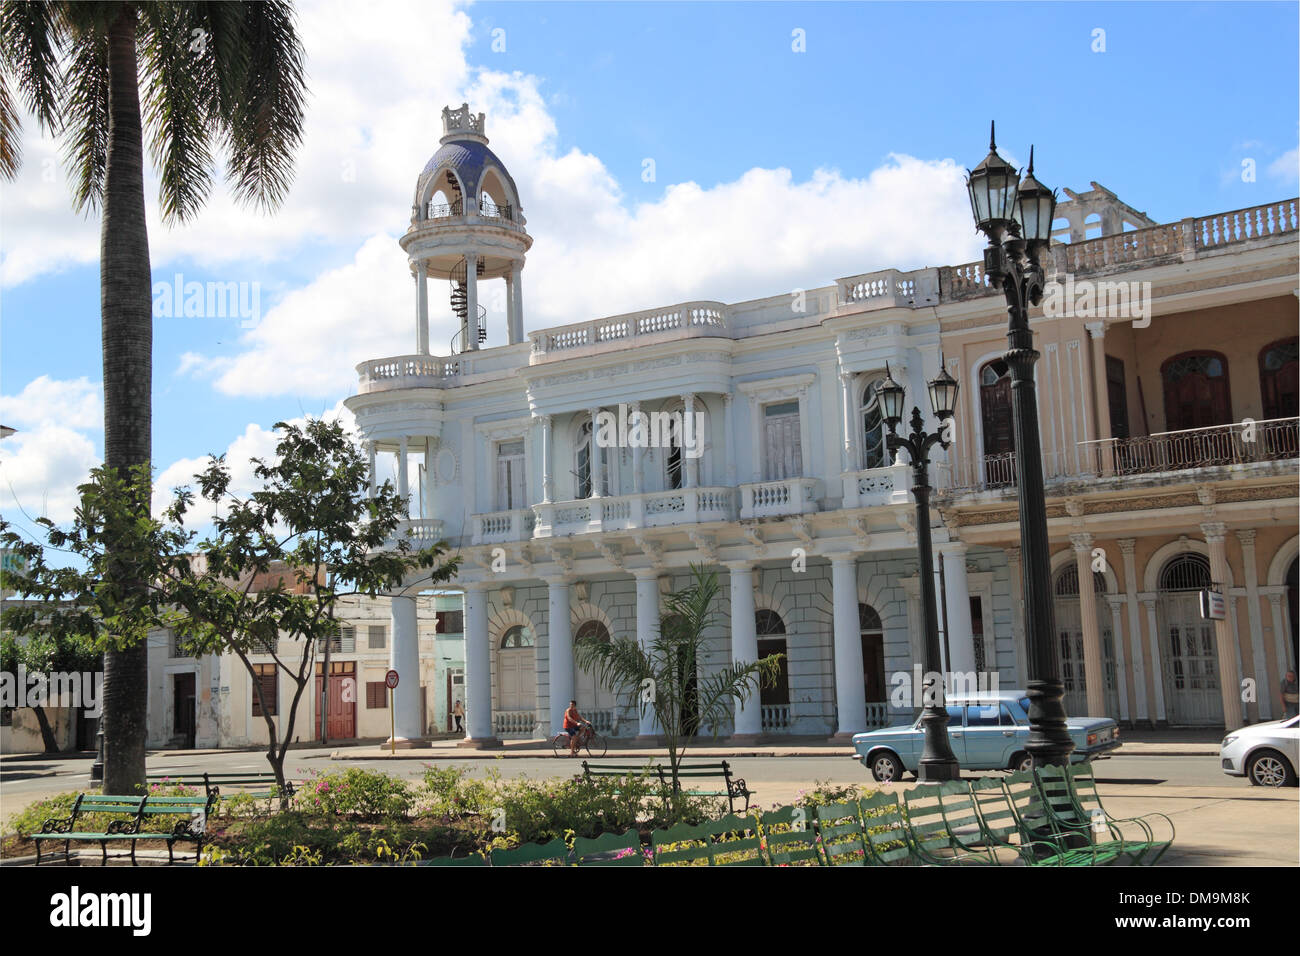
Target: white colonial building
x=793 y=499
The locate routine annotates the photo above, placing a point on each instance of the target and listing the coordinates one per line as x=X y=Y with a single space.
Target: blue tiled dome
x=468 y=159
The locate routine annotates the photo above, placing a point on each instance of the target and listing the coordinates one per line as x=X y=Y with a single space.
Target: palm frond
x=32 y=37
x=85 y=106
x=11 y=150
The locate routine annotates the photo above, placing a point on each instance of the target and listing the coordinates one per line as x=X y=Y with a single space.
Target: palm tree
x=227 y=75
x=664 y=676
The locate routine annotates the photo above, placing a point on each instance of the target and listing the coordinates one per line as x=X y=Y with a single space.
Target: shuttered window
x=784 y=454
x=376 y=695
x=267 y=678
x=378 y=637
x=510 y=476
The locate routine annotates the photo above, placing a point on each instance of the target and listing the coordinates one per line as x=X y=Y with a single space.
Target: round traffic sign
x=390 y=679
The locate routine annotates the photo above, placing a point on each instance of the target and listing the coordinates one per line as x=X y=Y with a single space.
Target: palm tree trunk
x=127 y=329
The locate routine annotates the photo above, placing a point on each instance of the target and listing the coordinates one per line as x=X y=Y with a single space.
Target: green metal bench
x=131 y=815
x=944 y=828
x=1087 y=804
x=731 y=841
x=885 y=830
x=1046 y=839
x=734 y=788
x=1142 y=848
x=555 y=853
x=843 y=839
x=604 y=850
x=474 y=859
x=213 y=782
x=789 y=838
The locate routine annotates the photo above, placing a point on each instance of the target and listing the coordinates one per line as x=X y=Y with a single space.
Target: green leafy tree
x=95 y=606
x=267 y=581
x=663 y=677
x=194 y=77
x=43 y=654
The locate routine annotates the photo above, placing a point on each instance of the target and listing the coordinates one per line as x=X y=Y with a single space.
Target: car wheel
x=1021 y=762
x=886 y=768
x=1268 y=768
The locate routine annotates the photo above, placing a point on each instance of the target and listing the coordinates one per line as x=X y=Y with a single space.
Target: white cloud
x=1286 y=166
x=40 y=470
x=74 y=403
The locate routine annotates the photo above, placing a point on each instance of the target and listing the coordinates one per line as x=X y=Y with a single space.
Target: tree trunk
x=127 y=331
x=47 y=732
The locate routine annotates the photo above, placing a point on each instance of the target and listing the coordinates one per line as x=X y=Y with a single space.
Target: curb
x=499 y=754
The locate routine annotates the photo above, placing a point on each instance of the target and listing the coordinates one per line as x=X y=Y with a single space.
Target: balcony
x=423 y=532
x=502 y=527
x=408 y=371
x=877 y=486
x=654 y=509
x=687 y=320
x=453 y=213
x=773 y=499
x=1235 y=445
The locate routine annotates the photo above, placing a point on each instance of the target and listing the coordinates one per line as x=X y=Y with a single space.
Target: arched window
x=874 y=452
x=590 y=630
x=1187 y=643
x=1196 y=391
x=768 y=622
x=1069 y=630
x=873 y=654
x=582 y=452
x=517 y=636
x=1277 y=379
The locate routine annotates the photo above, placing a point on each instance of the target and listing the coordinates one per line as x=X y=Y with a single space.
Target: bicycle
x=588 y=740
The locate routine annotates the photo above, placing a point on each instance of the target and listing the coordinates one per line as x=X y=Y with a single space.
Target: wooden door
x=510 y=476
x=782 y=444
x=1196 y=391
x=341 y=722
x=183 y=714
x=1278 y=380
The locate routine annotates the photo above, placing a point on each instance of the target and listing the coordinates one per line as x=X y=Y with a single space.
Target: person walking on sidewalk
x=459 y=713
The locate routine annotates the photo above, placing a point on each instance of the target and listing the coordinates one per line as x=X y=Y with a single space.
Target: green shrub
x=30 y=819
x=364 y=794
x=824 y=792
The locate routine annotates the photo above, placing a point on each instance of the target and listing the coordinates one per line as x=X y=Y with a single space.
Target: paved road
x=24 y=780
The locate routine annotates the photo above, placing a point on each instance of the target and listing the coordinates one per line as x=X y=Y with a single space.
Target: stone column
x=690 y=465
x=403 y=481
x=956 y=594
x=638 y=454
x=430 y=481
x=1229 y=674
x=647 y=630
x=1140 y=709
x=510 y=308
x=1017 y=617
x=559 y=629
x=729 y=405
x=370 y=451
x=422 y=308
x=850 y=692
x=597 y=459
x=1256 y=624
x=1117 y=602
x=1093 y=666
x=517 y=297
x=744 y=648
x=478 y=670
x=850 y=459
x=1103 y=459
x=404 y=657
x=471 y=299
x=1281 y=635
x=548 y=460
x=1157 y=665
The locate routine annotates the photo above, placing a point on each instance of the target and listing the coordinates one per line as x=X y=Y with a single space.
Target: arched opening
x=516 y=707
x=875 y=453
x=446 y=198
x=496 y=200
x=583 y=450
x=1190 y=665
x=873 y=664
x=1278 y=379
x=596 y=702
x=774 y=702
x=1196 y=391
x=1069 y=630
x=996 y=422
x=1092 y=226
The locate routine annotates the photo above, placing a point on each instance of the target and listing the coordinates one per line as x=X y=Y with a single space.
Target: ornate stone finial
x=460 y=121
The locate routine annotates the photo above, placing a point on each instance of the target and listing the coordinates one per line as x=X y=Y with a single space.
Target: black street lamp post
x=937 y=759
x=1017 y=220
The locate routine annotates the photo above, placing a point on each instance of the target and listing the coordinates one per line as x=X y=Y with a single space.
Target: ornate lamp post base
x=1049 y=740
x=938 y=763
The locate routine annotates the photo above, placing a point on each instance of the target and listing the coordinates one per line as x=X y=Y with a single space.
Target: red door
x=1196 y=391
x=342 y=713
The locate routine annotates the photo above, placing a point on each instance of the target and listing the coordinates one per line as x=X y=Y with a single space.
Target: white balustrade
x=503 y=526
x=877 y=713
x=691 y=318
x=652 y=509
x=420 y=532
x=877 y=486
x=514 y=723
x=775 y=718
x=787 y=496
x=409 y=371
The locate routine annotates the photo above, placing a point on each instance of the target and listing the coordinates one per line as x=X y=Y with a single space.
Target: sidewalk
x=1150 y=743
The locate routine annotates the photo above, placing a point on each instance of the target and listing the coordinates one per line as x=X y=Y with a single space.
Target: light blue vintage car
x=987 y=732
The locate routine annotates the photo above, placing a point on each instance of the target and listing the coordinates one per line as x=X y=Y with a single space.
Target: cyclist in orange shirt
x=573 y=724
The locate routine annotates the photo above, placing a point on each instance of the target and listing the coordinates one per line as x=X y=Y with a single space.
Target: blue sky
x=773 y=169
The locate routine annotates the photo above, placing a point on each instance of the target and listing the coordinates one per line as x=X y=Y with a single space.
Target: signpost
x=390 y=681
x=1213 y=607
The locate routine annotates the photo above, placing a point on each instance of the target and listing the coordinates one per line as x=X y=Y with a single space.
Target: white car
x=1267 y=754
